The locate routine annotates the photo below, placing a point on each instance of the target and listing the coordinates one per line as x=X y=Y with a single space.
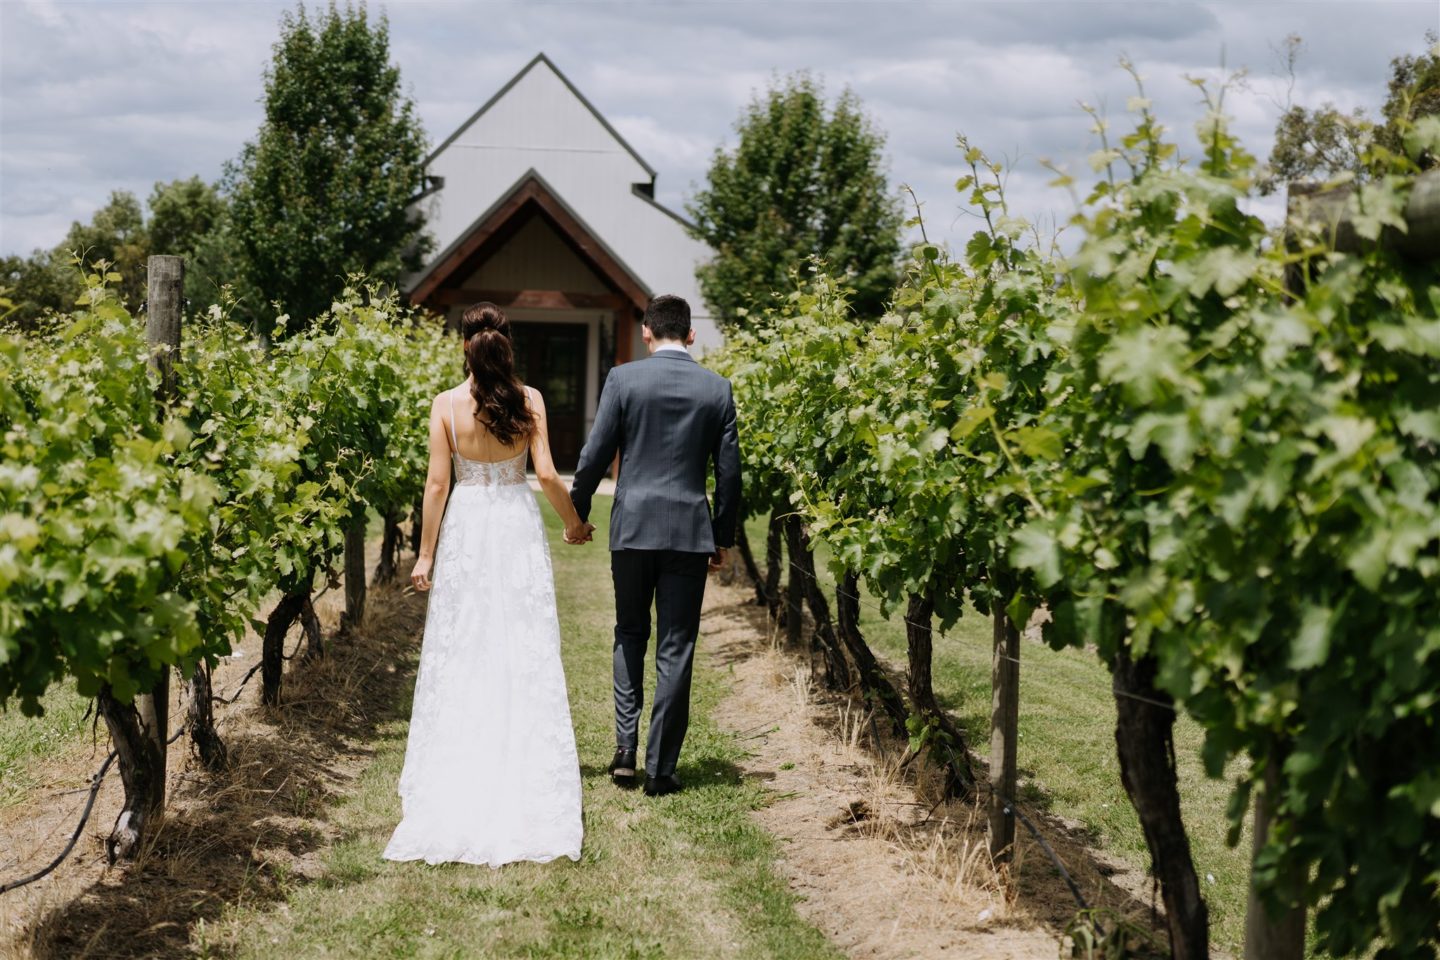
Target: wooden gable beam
x=504 y=220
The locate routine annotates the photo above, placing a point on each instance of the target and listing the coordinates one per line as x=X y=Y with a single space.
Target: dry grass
x=246 y=835
x=853 y=783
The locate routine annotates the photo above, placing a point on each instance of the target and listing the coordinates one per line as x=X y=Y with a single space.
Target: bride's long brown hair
x=499 y=398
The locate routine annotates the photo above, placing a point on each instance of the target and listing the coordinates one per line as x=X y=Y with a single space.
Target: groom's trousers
x=674 y=582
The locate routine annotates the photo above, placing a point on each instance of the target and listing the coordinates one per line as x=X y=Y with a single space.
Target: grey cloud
x=95 y=97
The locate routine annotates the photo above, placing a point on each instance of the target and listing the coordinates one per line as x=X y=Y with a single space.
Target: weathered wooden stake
x=1004 y=733
x=163 y=302
x=1327 y=208
x=140 y=729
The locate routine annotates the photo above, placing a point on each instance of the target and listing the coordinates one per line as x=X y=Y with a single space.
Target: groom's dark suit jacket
x=670 y=419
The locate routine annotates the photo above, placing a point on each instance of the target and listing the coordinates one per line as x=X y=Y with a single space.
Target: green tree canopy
x=182 y=212
x=1323 y=142
x=185 y=218
x=322 y=190
x=116 y=234
x=803 y=180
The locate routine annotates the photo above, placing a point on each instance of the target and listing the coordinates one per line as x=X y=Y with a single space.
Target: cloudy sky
x=97 y=96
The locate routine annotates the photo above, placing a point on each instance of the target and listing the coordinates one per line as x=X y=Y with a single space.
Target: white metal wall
x=540 y=124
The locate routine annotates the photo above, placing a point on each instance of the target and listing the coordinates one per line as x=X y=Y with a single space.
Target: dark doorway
x=551 y=358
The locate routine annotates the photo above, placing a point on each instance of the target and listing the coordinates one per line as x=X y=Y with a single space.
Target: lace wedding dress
x=491 y=771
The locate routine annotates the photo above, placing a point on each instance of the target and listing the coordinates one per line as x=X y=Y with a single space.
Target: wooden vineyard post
x=140 y=729
x=1004 y=734
x=163 y=302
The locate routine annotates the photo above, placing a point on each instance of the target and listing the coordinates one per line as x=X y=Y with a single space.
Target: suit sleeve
x=726 y=456
x=600 y=448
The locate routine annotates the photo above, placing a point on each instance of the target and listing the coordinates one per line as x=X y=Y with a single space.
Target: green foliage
x=803 y=181
x=322 y=191
x=1321 y=143
x=191 y=219
x=42 y=283
x=181 y=213
x=1251 y=496
x=96 y=517
x=187 y=218
x=1185 y=460
x=116 y=235
x=1413 y=92
x=1100 y=933
x=134 y=542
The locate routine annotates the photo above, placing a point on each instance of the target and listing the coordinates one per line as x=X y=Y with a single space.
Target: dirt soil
x=238 y=837
x=882 y=869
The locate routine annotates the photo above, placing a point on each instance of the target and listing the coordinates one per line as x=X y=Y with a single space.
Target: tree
x=116 y=235
x=187 y=219
x=323 y=189
x=52 y=280
x=40 y=283
x=802 y=181
x=182 y=212
x=1414 y=92
x=1323 y=142
x=190 y=219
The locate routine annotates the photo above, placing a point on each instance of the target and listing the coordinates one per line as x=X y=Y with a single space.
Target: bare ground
x=241 y=836
x=883 y=870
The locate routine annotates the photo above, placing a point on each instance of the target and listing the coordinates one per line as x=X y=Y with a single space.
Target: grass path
x=689 y=875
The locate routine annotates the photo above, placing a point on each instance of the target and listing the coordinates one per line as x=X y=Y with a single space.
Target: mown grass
x=28 y=741
x=1067 y=758
x=688 y=875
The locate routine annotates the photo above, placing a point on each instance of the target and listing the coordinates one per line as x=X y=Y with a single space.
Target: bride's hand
x=420 y=575
x=579 y=534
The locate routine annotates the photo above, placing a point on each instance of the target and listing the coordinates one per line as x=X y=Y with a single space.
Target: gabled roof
x=530 y=194
x=539 y=59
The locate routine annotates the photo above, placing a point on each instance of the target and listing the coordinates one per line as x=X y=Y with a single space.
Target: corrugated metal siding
x=539 y=124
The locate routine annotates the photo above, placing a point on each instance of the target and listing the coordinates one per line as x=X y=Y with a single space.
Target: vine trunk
x=1144 y=736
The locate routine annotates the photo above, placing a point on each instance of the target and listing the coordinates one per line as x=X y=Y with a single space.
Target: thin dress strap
x=454 y=437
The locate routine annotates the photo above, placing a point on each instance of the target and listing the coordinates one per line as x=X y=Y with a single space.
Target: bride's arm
x=576 y=530
x=437 y=491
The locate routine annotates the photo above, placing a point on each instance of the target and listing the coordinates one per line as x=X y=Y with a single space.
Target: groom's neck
x=673 y=344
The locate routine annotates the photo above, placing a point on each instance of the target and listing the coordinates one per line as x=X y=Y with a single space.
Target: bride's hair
x=499 y=398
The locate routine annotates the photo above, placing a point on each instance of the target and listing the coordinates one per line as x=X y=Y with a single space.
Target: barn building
x=537 y=204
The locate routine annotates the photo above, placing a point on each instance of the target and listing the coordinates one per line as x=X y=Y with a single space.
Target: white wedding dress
x=491 y=771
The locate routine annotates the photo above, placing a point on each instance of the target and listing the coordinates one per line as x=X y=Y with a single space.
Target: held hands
x=583 y=533
x=717 y=559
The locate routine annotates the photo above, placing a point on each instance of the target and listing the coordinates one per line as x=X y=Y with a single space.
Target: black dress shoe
x=622 y=767
x=659 y=786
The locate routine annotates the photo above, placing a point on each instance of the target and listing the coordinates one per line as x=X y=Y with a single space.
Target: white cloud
x=100 y=96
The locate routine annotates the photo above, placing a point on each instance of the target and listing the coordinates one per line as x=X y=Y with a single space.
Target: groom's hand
x=581 y=534
x=717 y=559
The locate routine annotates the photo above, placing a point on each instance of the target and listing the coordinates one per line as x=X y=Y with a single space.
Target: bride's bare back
x=473 y=439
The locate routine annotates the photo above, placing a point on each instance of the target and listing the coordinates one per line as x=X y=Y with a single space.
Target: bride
x=491 y=772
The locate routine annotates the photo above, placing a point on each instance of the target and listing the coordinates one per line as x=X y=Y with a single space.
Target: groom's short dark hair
x=668 y=317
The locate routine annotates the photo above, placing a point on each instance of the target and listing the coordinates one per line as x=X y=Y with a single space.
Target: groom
x=670 y=419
